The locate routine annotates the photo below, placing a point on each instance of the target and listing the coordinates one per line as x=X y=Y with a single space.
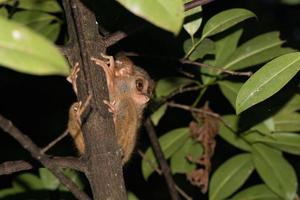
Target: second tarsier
x=130 y=88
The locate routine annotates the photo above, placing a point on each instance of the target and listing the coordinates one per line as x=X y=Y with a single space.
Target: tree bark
x=102 y=156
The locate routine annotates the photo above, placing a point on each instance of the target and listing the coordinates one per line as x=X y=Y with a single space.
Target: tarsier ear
x=124 y=65
x=125 y=71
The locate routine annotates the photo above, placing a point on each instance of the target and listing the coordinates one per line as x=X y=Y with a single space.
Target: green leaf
x=167 y=14
x=224 y=20
x=5 y=193
x=3 y=12
x=25 y=51
x=28 y=181
x=268 y=80
x=230 y=134
x=256 y=51
x=290 y=2
x=179 y=161
x=46 y=24
x=73 y=176
x=230 y=176
x=262 y=128
x=193 y=19
x=288 y=142
x=168 y=85
x=292 y=105
x=157 y=115
x=288 y=122
x=49 y=181
x=170 y=142
x=31 y=18
x=257 y=192
x=41 y=5
x=230 y=90
x=226 y=46
x=207 y=46
x=51 y=31
x=275 y=171
x=131 y=196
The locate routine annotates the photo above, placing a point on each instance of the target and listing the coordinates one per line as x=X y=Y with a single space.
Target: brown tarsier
x=130 y=88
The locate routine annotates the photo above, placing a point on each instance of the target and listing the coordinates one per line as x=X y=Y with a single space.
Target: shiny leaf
x=292 y=105
x=166 y=86
x=225 y=20
x=3 y=12
x=230 y=176
x=268 y=80
x=257 y=192
x=275 y=171
x=155 y=117
x=230 y=90
x=288 y=142
x=27 y=181
x=230 y=134
x=42 y=5
x=226 y=46
x=167 y=14
x=257 y=50
x=193 y=19
x=289 y=122
x=207 y=46
x=179 y=161
x=170 y=142
x=25 y=51
x=48 y=179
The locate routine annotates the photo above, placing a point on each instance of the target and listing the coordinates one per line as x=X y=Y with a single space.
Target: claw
x=109 y=69
x=111 y=106
x=73 y=76
x=111 y=60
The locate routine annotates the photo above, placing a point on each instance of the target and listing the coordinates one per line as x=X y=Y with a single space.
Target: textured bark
x=102 y=156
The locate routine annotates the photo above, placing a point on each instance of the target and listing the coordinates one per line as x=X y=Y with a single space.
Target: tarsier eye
x=139 y=85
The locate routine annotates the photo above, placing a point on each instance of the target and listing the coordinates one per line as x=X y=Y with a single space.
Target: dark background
x=39 y=105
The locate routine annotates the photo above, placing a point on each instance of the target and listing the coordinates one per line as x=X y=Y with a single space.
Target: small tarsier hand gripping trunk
x=130 y=88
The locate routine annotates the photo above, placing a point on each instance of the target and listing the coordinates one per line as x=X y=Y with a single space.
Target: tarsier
x=130 y=88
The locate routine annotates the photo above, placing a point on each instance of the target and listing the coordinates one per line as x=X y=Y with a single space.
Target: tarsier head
x=138 y=82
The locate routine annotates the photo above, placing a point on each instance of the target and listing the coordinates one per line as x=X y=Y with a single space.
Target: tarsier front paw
x=73 y=76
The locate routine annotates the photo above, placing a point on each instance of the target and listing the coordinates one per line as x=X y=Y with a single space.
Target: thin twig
x=199 y=110
x=10 y=167
x=117 y=36
x=219 y=69
x=157 y=170
x=55 y=141
x=161 y=159
x=114 y=38
x=195 y=3
x=193 y=109
x=183 y=90
x=35 y=151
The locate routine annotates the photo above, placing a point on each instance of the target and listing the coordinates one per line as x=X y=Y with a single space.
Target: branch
x=114 y=38
x=36 y=153
x=221 y=70
x=161 y=159
x=195 y=3
x=152 y=165
x=10 y=167
x=117 y=36
x=183 y=90
x=199 y=110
